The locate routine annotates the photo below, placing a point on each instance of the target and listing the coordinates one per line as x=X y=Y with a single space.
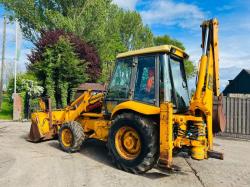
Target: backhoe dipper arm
x=209 y=63
x=208 y=77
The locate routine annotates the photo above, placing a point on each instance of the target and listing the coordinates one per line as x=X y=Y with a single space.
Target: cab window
x=120 y=83
x=145 y=80
x=179 y=83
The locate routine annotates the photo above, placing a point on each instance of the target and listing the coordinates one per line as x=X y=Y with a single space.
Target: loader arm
x=86 y=102
x=45 y=123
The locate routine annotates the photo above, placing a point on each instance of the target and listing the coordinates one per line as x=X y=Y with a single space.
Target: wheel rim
x=67 y=137
x=127 y=143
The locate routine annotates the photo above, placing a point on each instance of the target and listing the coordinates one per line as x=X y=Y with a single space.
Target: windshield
x=179 y=83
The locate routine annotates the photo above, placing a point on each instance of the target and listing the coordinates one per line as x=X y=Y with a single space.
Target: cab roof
x=158 y=49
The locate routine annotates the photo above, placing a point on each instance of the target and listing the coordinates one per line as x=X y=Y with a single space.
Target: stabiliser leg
x=166 y=136
x=215 y=154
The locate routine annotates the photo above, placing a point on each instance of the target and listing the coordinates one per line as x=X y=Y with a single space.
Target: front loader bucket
x=40 y=128
x=34 y=135
x=219 y=119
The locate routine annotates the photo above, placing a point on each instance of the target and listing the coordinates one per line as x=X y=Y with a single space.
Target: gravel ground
x=43 y=164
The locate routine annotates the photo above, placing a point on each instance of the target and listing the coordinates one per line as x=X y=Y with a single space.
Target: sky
x=10 y=49
x=181 y=20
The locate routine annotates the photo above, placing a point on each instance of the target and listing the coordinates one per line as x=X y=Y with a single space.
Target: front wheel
x=71 y=136
x=133 y=142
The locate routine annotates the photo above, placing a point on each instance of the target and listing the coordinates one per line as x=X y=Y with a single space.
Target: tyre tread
x=149 y=127
x=78 y=136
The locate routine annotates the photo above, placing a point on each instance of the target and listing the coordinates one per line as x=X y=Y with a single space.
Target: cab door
x=146 y=88
x=119 y=89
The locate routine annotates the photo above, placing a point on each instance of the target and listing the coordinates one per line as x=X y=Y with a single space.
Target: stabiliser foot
x=165 y=166
x=215 y=154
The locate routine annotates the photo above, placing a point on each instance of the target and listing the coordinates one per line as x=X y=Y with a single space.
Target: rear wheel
x=133 y=142
x=71 y=136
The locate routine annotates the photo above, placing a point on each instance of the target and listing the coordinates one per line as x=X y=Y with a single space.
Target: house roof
x=240 y=84
x=242 y=71
x=91 y=86
x=247 y=70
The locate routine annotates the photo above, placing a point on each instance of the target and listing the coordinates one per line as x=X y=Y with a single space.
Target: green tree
x=165 y=39
x=60 y=71
x=99 y=22
x=134 y=34
x=124 y=31
x=190 y=68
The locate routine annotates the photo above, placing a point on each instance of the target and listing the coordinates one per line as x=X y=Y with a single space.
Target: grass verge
x=7 y=108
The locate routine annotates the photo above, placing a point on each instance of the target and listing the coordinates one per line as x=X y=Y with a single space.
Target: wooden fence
x=237 y=112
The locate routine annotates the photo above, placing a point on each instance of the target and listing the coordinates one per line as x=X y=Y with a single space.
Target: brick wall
x=17 y=107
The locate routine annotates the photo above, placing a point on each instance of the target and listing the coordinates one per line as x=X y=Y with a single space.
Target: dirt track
x=27 y=164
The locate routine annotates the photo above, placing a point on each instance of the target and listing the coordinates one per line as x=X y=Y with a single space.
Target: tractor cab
x=150 y=76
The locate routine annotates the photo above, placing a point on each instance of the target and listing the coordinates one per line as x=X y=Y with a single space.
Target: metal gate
x=237 y=112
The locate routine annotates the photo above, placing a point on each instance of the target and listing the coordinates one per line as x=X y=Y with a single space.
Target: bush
x=22 y=80
x=60 y=70
x=85 y=52
x=28 y=88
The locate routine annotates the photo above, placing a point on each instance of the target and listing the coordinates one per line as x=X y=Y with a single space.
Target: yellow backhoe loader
x=146 y=112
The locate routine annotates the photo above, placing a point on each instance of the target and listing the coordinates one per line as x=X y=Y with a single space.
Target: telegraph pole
x=17 y=107
x=3 y=59
x=16 y=57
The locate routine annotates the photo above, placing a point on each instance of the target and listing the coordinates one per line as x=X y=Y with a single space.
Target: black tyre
x=133 y=142
x=71 y=136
